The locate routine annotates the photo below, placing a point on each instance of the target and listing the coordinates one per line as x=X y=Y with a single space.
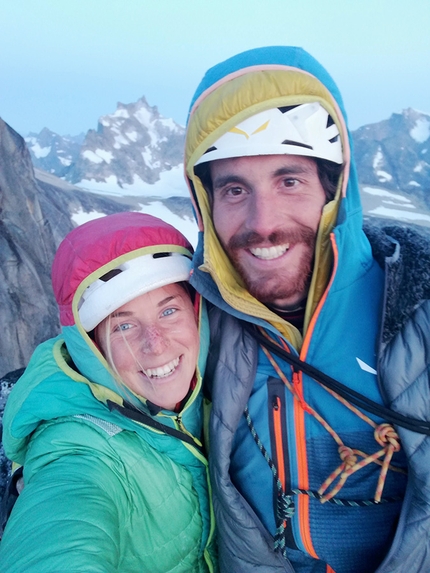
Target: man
x=289 y=272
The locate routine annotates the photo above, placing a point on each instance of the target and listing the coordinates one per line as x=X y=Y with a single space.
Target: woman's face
x=153 y=344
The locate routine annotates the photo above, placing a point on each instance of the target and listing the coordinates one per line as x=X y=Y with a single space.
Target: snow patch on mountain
x=170 y=184
x=421 y=130
x=186 y=225
x=379 y=202
x=400 y=215
x=39 y=151
x=384 y=193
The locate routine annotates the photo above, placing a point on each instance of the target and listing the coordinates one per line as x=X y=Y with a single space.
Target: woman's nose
x=154 y=341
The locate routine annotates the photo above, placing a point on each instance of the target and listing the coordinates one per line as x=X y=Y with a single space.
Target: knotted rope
x=384 y=434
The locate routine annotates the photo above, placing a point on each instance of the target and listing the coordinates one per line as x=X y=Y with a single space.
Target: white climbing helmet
x=305 y=129
x=129 y=280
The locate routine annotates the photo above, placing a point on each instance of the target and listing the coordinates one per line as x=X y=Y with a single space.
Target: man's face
x=266 y=212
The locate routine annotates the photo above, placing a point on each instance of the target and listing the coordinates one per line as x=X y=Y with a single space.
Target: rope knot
x=386 y=435
x=285 y=506
x=347 y=456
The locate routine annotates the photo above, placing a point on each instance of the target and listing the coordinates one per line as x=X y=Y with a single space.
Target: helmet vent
x=289 y=142
x=108 y=276
x=161 y=255
x=286 y=108
x=210 y=149
x=329 y=121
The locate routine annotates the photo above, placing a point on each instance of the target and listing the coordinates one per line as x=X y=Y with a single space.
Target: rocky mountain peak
x=396 y=153
x=132 y=145
x=52 y=152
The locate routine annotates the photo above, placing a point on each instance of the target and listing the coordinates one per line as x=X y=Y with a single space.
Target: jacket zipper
x=279 y=446
x=299 y=416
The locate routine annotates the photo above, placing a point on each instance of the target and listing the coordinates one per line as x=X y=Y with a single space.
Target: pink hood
x=97 y=243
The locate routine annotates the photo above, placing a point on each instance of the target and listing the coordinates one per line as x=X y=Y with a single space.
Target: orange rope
x=384 y=434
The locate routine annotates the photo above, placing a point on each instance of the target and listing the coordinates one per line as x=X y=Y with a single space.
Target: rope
x=363 y=402
x=384 y=434
x=285 y=506
x=284 y=503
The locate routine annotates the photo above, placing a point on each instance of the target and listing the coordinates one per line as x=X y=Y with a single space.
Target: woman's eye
x=122 y=327
x=168 y=311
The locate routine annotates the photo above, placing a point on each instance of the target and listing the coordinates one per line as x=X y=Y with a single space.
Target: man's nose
x=154 y=341
x=263 y=215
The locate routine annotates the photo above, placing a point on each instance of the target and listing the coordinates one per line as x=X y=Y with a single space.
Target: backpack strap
x=129 y=411
x=356 y=398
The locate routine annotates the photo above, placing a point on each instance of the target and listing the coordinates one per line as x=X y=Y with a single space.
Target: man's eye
x=168 y=311
x=290 y=182
x=234 y=191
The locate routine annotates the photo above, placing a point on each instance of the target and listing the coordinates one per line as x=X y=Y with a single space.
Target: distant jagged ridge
x=132 y=145
x=137 y=143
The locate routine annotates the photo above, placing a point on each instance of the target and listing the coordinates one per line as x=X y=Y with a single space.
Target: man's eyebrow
x=295 y=169
x=292 y=170
x=222 y=180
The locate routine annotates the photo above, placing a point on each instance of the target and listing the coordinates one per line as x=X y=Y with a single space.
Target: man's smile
x=269 y=253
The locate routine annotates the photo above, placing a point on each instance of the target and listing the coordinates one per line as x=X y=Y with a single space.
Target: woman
x=106 y=419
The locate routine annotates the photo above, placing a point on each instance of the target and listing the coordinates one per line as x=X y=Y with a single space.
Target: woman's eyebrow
x=122 y=313
x=166 y=300
x=130 y=313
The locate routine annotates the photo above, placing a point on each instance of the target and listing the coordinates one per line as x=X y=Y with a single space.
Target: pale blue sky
x=64 y=63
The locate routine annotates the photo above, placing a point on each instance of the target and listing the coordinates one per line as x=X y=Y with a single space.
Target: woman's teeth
x=162 y=371
x=268 y=253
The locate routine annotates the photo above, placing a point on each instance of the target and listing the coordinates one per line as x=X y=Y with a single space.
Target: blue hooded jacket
x=344 y=336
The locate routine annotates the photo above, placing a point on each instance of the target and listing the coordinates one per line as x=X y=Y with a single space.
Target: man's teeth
x=270 y=252
x=162 y=371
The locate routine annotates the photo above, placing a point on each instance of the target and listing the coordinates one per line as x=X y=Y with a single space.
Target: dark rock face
x=27 y=246
x=35 y=215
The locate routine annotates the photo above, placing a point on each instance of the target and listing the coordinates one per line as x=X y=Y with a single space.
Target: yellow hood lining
x=230 y=104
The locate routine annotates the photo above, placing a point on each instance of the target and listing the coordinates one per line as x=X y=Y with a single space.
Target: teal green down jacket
x=102 y=492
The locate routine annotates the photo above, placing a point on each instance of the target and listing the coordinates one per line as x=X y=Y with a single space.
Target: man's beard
x=270 y=287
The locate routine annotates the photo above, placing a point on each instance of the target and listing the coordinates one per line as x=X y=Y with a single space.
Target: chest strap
x=129 y=411
x=354 y=397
